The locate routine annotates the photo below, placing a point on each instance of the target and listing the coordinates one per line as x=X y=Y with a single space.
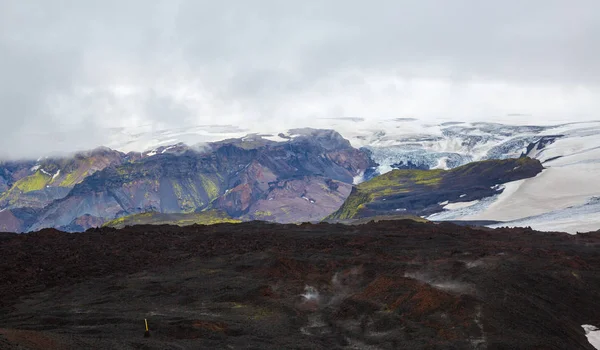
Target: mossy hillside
x=67 y=176
x=209 y=217
x=391 y=183
x=352 y=205
x=73 y=170
x=77 y=174
x=34 y=182
x=193 y=194
x=185 y=198
x=60 y=172
x=397 y=182
x=211 y=187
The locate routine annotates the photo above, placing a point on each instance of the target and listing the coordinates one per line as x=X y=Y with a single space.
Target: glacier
x=557 y=199
x=593 y=335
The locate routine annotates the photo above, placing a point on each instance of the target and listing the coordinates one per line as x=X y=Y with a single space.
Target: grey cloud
x=189 y=62
x=159 y=107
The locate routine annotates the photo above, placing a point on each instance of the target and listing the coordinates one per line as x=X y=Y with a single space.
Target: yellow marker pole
x=147 y=333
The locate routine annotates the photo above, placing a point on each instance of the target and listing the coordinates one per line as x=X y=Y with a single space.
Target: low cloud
x=73 y=71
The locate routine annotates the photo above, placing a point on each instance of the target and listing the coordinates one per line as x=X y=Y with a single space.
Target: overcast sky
x=71 y=69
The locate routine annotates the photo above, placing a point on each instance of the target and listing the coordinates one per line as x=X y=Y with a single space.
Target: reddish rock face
x=237 y=200
x=306 y=199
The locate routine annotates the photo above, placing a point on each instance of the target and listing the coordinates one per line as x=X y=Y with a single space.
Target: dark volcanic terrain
x=385 y=285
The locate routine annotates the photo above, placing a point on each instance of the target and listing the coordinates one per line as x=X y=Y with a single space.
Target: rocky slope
x=305 y=175
x=27 y=187
x=36 y=184
x=425 y=192
x=570 y=153
x=250 y=178
x=389 y=285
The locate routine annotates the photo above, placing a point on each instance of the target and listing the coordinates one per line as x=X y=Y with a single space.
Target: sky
x=73 y=72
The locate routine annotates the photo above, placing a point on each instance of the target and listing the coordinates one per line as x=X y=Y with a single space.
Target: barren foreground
x=386 y=285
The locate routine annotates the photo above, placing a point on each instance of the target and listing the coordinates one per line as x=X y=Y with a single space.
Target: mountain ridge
x=422 y=192
x=228 y=175
x=302 y=175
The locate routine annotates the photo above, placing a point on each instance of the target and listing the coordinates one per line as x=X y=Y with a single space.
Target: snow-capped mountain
x=560 y=198
x=563 y=197
x=447 y=145
x=393 y=143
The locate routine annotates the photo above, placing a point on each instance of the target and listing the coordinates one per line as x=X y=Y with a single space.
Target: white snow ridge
x=563 y=197
x=593 y=335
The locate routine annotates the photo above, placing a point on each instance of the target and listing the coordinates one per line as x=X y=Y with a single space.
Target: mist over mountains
x=308 y=174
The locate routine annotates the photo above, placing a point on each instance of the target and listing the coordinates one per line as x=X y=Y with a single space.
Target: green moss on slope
x=208 y=217
x=401 y=181
x=33 y=182
x=30 y=183
x=210 y=187
x=398 y=182
x=431 y=178
x=353 y=204
x=393 y=182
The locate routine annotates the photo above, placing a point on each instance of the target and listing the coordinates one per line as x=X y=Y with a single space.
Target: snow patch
x=358 y=178
x=45 y=172
x=555 y=188
x=35 y=168
x=498 y=187
x=460 y=205
x=442 y=164
x=593 y=335
x=460 y=213
x=56 y=175
x=168 y=148
x=580 y=218
x=275 y=138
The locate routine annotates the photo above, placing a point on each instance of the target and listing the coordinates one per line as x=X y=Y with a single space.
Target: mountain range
x=493 y=174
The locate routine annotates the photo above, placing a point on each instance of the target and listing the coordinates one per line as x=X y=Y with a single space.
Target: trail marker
x=147 y=334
